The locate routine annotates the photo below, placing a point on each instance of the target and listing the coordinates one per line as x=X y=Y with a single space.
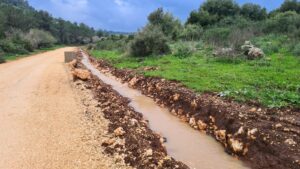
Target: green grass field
x=273 y=82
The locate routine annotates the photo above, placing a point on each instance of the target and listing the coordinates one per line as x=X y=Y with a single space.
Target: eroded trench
x=195 y=149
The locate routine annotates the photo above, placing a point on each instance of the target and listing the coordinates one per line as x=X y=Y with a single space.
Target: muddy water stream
x=195 y=149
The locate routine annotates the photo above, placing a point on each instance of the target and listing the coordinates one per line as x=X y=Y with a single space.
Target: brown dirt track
x=42 y=119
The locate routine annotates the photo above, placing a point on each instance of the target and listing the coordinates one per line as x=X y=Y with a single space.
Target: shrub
x=110 y=44
x=9 y=46
x=217 y=36
x=39 y=38
x=287 y=22
x=296 y=50
x=191 y=32
x=1 y=56
x=271 y=43
x=150 y=41
x=183 y=50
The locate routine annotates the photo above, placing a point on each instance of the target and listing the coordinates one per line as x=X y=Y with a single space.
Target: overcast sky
x=124 y=15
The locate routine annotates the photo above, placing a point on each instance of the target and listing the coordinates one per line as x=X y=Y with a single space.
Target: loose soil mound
x=266 y=138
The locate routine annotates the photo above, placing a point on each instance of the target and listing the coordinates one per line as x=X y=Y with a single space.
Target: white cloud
x=71 y=9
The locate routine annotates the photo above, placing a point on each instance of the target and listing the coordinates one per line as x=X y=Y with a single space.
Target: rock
x=133 y=81
x=176 y=97
x=236 y=145
x=194 y=104
x=180 y=112
x=251 y=133
x=255 y=53
x=163 y=140
x=212 y=119
x=192 y=122
x=149 y=153
x=251 y=51
x=133 y=122
x=290 y=142
x=220 y=135
x=201 y=125
x=240 y=131
x=108 y=142
x=253 y=109
x=223 y=52
x=81 y=74
x=119 y=131
x=278 y=125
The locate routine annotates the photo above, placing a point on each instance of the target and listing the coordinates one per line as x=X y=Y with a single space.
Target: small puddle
x=195 y=149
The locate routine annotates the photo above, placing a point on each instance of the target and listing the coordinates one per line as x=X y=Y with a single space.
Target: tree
x=169 y=25
x=212 y=11
x=287 y=22
x=290 y=5
x=253 y=12
x=39 y=38
x=150 y=41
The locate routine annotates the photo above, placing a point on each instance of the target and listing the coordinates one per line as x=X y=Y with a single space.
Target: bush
x=287 y=22
x=296 y=50
x=39 y=38
x=9 y=46
x=217 y=36
x=183 y=50
x=271 y=43
x=1 y=56
x=150 y=41
x=191 y=32
x=110 y=44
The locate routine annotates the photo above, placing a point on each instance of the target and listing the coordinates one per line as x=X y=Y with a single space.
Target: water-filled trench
x=195 y=149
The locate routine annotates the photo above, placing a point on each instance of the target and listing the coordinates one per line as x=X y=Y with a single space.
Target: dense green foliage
x=206 y=54
x=24 y=29
x=150 y=41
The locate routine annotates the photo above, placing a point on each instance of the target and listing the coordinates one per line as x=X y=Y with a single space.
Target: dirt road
x=41 y=117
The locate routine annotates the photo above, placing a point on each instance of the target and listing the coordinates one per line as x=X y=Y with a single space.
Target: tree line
x=23 y=29
x=218 y=23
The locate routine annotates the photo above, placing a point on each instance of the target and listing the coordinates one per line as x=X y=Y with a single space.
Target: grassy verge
x=11 y=57
x=273 y=82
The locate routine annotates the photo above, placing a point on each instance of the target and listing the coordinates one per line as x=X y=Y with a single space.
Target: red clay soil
x=264 y=138
x=141 y=147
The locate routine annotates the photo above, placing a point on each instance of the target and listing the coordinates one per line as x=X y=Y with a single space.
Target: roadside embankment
x=265 y=138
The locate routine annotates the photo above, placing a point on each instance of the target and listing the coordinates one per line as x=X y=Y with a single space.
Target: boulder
x=251 y=51
x=81 y=74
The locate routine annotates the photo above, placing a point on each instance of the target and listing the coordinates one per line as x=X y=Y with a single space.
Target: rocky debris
x=251 y=51
x=224 y=52
x=81 y=74
x=250 y=131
